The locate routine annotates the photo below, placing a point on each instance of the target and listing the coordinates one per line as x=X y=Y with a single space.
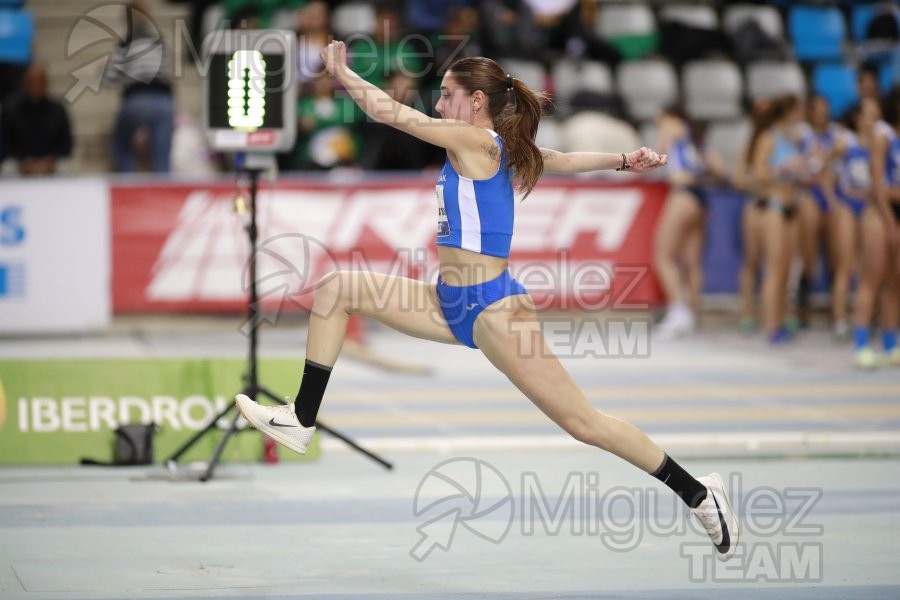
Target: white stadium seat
x=766 y=79
x=646 y=86
x=713 y=89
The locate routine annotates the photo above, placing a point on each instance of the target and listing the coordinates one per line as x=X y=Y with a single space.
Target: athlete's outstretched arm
x=638 y=161
x=446 y=133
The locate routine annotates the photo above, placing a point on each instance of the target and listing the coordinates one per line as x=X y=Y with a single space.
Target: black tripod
x=254 y=165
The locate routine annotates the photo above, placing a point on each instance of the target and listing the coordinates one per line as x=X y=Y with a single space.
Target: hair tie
x=509 y=82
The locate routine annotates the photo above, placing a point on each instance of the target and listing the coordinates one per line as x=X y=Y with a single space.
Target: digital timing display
x=250 y=86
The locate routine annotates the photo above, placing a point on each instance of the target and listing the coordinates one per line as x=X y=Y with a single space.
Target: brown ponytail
x=515 y=110
x=767 y=118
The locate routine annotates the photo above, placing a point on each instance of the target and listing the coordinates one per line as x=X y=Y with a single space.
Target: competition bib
x=443 y=223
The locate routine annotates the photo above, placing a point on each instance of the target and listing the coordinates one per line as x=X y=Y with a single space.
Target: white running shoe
x=717 y=517
x=278 y=422
x=679 y=321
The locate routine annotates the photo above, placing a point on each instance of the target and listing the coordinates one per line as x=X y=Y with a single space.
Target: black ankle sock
x=680 y=481
x=312 y=388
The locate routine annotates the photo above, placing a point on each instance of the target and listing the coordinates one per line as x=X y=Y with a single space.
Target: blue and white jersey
x=893 y=162
x=818 y=141
x=884 y=129
x=476 y=214
x=853 y=168
x=684 y=157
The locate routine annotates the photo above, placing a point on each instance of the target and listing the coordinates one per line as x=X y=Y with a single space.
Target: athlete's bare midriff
x=463 y=267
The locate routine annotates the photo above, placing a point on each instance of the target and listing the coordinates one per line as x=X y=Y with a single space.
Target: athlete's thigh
x=510 y=337
x=692 y=249
x=844 y=236
x=751 y=231
x=679 y=212
x=407 y=305
x=873 y=243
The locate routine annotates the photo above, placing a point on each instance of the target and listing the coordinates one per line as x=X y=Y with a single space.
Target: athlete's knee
x=589 y=428
x=332 y=289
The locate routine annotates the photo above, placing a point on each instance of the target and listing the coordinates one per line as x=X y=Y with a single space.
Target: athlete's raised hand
x=334 y=56
x=645 y=159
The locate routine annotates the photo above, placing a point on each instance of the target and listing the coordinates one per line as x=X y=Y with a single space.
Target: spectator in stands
x=544 y=30
x=387 y=51
x=264 y=10
x=566 y=27
x=387 y=148
x=458 y=39
x=327 y=136
x=681 y=43
x=507 y=29
x=141 y=66
x=35 y=127
x=313 y=34
x=692 y=168
x=818 y=147
x=428 y=17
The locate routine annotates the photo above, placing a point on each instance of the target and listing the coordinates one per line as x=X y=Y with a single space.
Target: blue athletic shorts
x=854 y=204
x=461 y=305
x=819 y=196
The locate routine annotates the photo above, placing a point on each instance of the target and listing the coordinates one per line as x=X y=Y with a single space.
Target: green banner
x=58 y=411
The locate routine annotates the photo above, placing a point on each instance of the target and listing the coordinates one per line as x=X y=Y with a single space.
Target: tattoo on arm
x=493 y=151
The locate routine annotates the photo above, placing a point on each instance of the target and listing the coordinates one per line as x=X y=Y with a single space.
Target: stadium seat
x=11 y=3
x=571 y=76
x=817 y=32
x=647 y=86
x=549 y=135
x=353 y=17
x=767 y=79
x=529 y=71
x=712 y=89
x=649 y=133
x=837 y=82
x=695 y=15
x=631 y=28
x=16 y=35
x=727 y=139
x=767 y=16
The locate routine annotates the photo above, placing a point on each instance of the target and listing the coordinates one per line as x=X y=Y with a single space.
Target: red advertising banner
x=182 y=247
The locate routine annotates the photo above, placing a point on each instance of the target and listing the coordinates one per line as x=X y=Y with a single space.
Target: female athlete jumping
x=488 y=127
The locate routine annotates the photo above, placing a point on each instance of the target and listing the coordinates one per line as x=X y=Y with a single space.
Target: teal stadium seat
x=16 y=35
x=817 y=32
x=837 y=82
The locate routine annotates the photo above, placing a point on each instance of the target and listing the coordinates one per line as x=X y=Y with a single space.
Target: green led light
x=246 y=89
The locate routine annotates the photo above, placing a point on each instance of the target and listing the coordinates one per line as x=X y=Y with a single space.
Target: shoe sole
x=733 y=535
x=274 y=434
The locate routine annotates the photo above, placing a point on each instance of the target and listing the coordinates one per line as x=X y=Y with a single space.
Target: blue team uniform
x=475 y=215
x=684 y=157
x=853 y=173
x=823 y=141
x=893 y=171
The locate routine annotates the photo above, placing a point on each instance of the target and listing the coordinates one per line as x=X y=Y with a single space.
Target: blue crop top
x=893 y=162
x=853 y=168
x=783 y=151
x=476 y=214
x=685 y=157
